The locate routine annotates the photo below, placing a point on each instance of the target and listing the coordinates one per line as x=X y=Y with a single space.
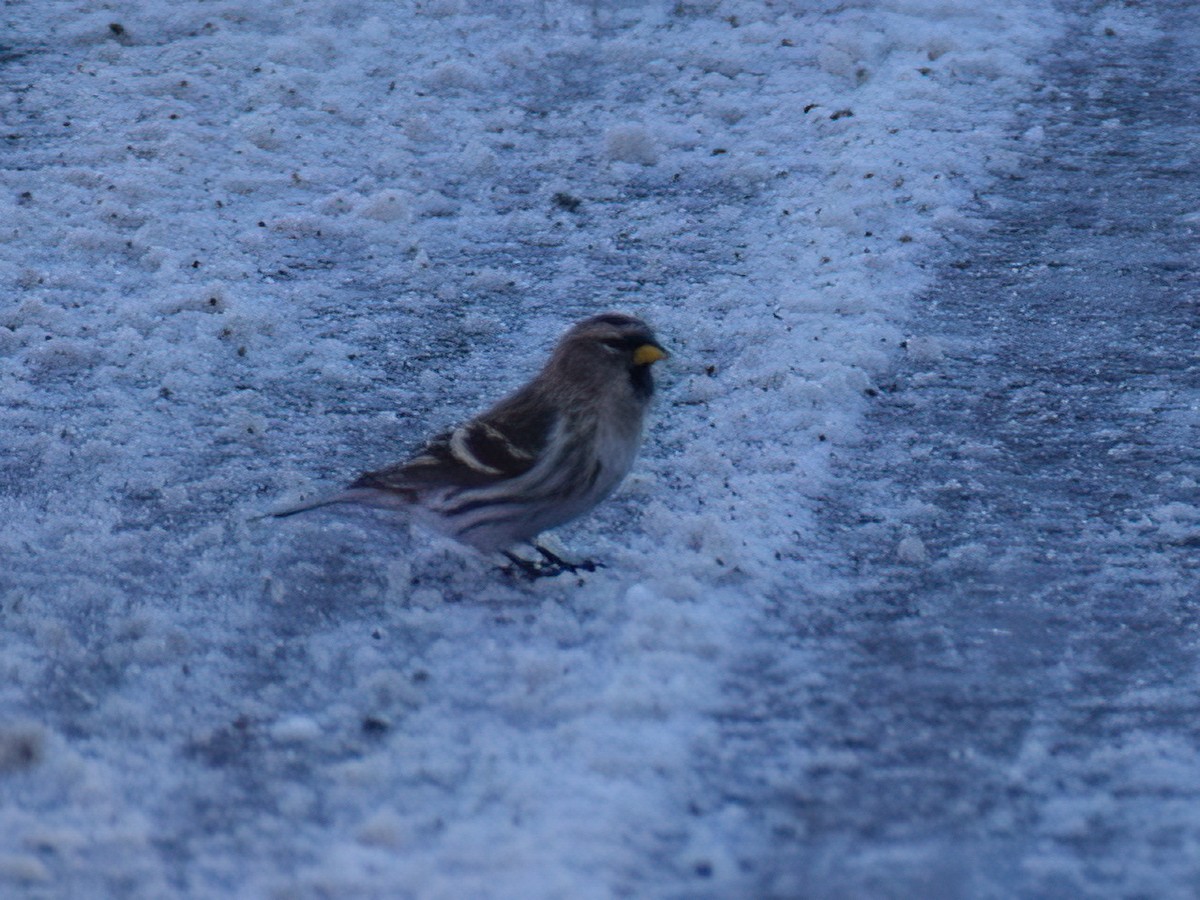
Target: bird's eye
x=616 y=345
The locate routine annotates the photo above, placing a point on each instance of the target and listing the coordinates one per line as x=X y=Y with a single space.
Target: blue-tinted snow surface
x=251 y=249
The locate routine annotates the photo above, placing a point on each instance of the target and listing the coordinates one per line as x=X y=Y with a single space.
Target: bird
x=542 y=456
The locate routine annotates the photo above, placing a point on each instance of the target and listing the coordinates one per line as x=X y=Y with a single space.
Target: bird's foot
x=553 y=559
x=550 y=565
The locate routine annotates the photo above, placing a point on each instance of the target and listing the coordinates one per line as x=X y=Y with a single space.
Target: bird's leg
x=550 y=565
x=563 y=565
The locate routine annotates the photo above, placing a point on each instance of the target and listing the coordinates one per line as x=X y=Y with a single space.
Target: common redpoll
x=539 y=458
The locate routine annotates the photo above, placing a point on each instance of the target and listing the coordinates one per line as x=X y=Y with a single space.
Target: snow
x=252 y=250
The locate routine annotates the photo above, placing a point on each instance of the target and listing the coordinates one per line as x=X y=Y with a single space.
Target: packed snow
x=250 y=250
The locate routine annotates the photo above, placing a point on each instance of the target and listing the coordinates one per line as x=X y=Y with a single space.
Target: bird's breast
x=615 y=451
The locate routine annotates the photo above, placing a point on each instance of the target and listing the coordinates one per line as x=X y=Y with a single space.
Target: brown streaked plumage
x=542 y=456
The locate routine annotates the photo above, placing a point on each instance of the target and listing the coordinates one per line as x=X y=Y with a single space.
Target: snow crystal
x=911 y=549
x=632 y=144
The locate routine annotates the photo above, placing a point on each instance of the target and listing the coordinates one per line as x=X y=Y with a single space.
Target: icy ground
x=944 y=648
x=1011 y=669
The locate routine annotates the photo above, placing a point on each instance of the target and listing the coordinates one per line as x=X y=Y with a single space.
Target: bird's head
x=609 y=346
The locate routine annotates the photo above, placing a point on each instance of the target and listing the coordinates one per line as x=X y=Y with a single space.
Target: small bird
x=542 y=456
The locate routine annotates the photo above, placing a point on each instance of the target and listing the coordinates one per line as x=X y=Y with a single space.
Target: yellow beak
x=648 y=353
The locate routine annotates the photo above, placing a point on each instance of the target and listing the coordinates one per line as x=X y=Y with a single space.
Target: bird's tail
x=362 y=496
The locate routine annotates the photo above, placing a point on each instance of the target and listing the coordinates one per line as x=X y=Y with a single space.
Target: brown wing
x=503 y=443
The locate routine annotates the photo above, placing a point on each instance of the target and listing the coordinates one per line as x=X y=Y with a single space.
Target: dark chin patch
x=643 y=382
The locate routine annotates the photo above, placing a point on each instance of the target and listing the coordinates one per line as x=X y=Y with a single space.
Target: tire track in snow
x=999 y=696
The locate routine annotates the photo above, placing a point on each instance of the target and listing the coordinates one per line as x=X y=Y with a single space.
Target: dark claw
x=551 y=565
x=563 y=565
